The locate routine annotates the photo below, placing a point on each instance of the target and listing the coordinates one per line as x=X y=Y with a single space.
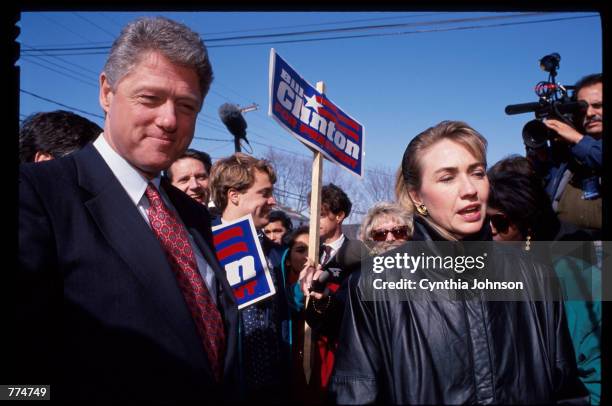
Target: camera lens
x=535 y=134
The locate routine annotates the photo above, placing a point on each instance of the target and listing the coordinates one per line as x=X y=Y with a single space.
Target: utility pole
x=251 y=107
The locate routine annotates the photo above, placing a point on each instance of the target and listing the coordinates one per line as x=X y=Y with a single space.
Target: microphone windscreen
x=232 y=117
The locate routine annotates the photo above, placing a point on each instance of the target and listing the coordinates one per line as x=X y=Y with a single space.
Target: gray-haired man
x=117 y=266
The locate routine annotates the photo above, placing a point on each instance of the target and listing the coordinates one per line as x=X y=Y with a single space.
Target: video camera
x=554 y=103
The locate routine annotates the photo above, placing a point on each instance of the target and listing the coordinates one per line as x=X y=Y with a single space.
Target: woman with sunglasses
x=520 y=211
x=450 y=347
x=385 y=226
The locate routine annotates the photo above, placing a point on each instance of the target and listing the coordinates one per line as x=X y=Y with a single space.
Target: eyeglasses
x=400 y=233
x=500 y=221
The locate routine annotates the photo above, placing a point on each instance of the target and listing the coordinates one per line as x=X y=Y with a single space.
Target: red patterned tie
x=173 y=238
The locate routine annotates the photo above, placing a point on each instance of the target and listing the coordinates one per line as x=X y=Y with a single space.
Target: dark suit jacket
x=328 y=322
x=121 y=329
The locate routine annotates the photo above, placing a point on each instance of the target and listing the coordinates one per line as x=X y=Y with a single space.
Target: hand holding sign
x=314 y=120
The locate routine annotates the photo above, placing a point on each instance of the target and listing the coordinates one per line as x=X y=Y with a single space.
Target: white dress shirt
x=335 y=246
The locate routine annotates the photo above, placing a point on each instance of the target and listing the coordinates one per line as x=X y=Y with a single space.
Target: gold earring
x=528 y=243
x=422 y=210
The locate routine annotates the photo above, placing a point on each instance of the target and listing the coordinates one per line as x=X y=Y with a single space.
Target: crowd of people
x=118 y=269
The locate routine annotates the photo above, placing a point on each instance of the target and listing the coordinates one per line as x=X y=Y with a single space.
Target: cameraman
x=571 y=167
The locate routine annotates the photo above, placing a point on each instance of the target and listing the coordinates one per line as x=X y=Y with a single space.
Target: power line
x=81 y=52
x=326 y=31
x=218 y=147
x=220 y=95
x=211 y=139
x=211 y=123
x=68 y=75
x=371 y=27
x=118 y=25
x=394 y=33
x=104 y=30
x=321 y=24
x=29 y=59
x=80 y=35
x=60 y=104
x=282 y=149
x=60 y=59
x=74 y=44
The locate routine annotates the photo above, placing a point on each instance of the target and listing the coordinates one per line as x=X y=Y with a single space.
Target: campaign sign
x=240 y=254
x=312 y=118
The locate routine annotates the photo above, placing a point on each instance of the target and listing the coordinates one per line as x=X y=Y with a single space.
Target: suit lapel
x=131 y=238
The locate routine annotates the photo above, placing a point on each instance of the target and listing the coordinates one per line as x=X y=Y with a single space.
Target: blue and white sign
x=313 y=119
x=240 y=254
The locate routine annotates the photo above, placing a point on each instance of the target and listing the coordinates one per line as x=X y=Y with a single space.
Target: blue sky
x=396 y=84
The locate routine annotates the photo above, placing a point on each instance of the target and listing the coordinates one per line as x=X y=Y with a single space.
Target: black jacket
x=451 y=349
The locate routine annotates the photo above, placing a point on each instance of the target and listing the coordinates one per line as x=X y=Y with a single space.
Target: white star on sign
x=312 y=102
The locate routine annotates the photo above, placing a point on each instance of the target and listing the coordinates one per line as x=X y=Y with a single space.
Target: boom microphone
x=562 y=108
x=522 y=108
x=232 y=117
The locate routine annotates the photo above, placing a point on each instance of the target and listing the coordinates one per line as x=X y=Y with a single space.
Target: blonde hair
x=410 y=173
x=385 y=209
x=236 y=172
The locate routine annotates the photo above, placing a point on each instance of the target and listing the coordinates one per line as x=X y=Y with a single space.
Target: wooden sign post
x=313 y=240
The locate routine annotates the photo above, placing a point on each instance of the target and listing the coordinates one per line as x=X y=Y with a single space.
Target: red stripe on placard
x=330 y=116
x=231 y=250
x=347 y=131
x=327 y=104
x=313 y=134
x=342 y=117
x=329 y=146
x=227 y=234
x=349 y=122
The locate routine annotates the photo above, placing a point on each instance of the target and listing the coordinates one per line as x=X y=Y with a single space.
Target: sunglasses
x=400 y=233
x=500 y=222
